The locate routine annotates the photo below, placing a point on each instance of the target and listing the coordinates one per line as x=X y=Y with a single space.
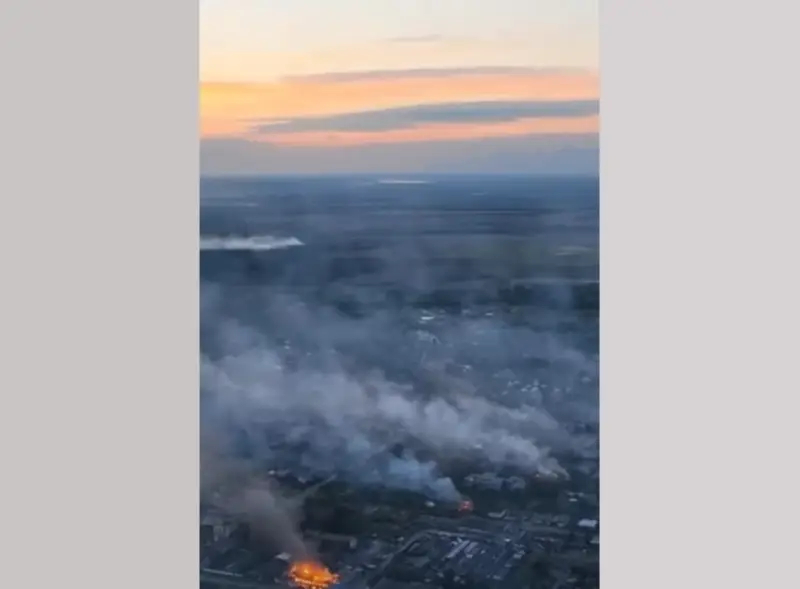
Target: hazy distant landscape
x=399 y=338
x=359 y=268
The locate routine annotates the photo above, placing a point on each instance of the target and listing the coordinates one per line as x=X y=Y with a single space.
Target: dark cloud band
x=414 y=116
x=358 y=76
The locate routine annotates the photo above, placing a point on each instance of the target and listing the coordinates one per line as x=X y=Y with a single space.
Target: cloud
x=417 y=73
x=229 y=109
x=532 y=154
x=427 y=114
x=438 y=132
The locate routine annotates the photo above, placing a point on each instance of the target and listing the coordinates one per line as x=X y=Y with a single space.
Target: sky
x=398 y=86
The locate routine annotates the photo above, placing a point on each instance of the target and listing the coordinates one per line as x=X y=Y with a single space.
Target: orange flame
x=308 y=574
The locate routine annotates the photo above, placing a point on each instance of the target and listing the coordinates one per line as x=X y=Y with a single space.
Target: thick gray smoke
x=340 y=418
x=409 y=473
x=258 y=506
x=400 y=396
x=235 y=487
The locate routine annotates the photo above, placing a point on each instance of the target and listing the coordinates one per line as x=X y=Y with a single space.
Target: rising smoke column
x=233 y=486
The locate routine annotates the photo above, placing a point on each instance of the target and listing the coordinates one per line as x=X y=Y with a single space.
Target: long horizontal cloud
x=419 y=73
x=229 y=109
x=451 y=132
x=427 y=114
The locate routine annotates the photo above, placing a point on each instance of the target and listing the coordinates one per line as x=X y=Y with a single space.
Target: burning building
x=311 y=575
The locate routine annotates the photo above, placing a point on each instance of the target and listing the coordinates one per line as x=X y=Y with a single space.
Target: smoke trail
x=253 y=243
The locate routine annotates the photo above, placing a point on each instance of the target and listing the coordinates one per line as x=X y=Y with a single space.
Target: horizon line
x=390 y=175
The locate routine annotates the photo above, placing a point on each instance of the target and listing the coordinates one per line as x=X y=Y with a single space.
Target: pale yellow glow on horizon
x=539 y=47
x=263 y=63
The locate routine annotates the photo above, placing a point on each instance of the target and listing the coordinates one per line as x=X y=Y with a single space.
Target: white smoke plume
x=341 y=418
x=301 y=386
x=252 y=243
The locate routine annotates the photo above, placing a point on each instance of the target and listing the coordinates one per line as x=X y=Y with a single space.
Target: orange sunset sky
x=313 y=86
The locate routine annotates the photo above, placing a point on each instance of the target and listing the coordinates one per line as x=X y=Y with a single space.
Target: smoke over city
x=389 y=347
x=328 y=414
x=391 y=370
